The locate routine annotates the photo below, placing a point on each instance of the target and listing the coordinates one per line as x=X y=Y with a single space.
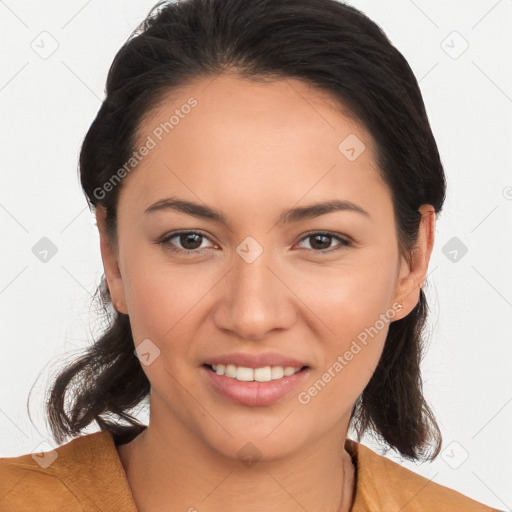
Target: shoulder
x=84 y=474
x=383 y=484
x=22 y=485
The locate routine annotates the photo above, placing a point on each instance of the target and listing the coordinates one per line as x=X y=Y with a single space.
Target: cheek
x=346 y=298
x=159 y=299
x=353 y=308
x=164 y=305
x=334 y=389
x=351 y=313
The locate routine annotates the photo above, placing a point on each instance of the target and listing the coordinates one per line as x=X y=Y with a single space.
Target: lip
x=255 y=360
x=253 y=393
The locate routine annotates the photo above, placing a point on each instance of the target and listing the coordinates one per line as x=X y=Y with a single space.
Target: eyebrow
x=288 y=216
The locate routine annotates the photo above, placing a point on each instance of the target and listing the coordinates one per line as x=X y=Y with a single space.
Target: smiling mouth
x=258 y=375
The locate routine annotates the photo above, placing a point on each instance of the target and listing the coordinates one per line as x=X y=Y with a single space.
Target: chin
x=259 y=441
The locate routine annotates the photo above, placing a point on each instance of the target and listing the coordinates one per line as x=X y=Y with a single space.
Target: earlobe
x=110 y=264
x=413 y=272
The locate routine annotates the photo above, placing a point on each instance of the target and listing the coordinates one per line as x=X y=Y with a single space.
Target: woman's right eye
x=190 y=242
x=187 y=239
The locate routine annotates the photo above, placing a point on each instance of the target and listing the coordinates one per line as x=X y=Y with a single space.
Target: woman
x=266 y=185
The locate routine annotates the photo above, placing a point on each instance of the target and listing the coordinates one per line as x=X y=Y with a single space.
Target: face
x=320 y=289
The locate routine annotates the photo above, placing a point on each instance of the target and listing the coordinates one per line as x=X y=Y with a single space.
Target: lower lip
x=253 y=393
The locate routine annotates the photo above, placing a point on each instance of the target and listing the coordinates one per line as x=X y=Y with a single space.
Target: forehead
x=279 y=142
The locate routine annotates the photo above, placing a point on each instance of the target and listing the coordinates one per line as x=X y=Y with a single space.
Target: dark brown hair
x=329 y=45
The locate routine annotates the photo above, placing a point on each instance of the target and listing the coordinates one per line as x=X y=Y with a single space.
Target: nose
x=255 y=300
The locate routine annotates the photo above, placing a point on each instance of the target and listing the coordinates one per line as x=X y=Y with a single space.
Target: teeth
x=264 y=374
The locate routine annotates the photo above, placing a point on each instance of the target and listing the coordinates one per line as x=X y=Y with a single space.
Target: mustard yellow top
x=88 y=476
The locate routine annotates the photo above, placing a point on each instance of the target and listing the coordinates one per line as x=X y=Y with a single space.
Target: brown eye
x=187 y=242
x=190 y=241
x=321 y=242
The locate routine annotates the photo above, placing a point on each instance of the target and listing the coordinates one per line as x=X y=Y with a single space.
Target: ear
x=110 y=264
x=412 y=274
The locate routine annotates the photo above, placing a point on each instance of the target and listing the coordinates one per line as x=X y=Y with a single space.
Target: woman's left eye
x=322 y=239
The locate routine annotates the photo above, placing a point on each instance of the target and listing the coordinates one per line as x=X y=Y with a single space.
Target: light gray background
x=47 y=104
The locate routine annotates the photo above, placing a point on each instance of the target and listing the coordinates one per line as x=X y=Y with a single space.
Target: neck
x=168 y=468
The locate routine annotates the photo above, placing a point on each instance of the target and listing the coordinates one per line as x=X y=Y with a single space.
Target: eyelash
x=344 y=243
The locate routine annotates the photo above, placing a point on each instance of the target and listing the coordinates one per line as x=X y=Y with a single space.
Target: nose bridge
x=255 y=300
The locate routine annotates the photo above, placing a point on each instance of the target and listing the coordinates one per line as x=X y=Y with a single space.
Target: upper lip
x=255 y=360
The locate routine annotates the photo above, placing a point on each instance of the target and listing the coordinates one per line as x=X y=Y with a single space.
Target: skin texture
x=253 y=150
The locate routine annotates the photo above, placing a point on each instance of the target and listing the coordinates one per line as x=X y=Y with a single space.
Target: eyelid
x=164 y=240
x=345 y=242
